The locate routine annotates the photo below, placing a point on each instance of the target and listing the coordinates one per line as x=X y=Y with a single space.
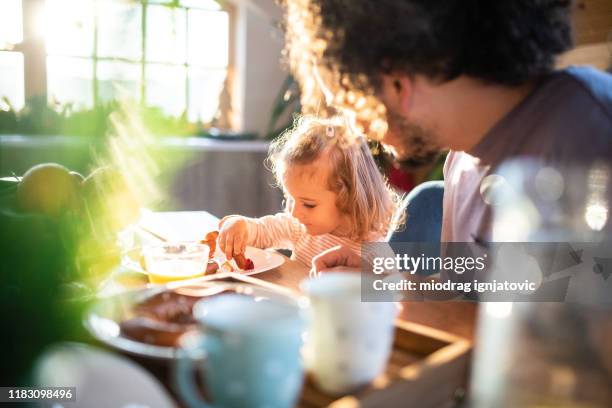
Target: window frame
x=35 y=55
x=10 y=48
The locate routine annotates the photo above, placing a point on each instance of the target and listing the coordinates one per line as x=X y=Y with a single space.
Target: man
x=476 y=77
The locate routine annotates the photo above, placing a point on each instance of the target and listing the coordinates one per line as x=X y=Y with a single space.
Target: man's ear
x=397 y=92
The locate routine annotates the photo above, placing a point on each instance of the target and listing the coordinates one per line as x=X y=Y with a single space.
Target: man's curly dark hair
x=505 y=42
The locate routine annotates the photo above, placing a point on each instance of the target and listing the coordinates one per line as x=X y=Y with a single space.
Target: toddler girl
x=335 y=195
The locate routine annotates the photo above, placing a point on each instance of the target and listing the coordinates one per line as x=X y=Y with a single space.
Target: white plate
x=264 y=260
x=100 y=378
x=187 y=226
x=105 y=315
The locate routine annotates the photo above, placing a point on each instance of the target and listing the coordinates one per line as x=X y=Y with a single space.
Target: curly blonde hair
x=363 y=194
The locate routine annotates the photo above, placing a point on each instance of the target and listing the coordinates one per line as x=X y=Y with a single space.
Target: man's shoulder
x=588 y=85
x=581 y=116
x=595 y=82
x=569 y=117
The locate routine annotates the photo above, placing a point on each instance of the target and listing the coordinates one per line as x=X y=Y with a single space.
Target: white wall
x=258 y=75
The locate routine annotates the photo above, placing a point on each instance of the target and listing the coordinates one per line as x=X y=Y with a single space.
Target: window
x=11 y=61
x=172 y=54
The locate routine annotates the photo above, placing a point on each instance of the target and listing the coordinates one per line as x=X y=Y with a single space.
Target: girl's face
x=310 y=201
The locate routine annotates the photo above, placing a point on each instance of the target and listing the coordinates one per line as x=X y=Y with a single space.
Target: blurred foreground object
x=58 y=235
x=100 y=378
x=544 y=355
x=48 y=189
x=38 y=304
x=550 y=354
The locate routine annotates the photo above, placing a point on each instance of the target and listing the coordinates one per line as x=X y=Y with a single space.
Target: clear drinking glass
x=175 y=261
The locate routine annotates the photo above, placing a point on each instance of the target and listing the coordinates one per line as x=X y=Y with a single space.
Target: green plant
x=38 y=117
x=87 y=122
x=41 y=118
x=8 y=117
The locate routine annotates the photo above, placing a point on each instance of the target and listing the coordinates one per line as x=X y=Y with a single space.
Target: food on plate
x=168 y=306
x=211 y=240
x=212 y=267
x=155 y=332
x=227 y=266
x=242 y=262
x=178 y=261
x=163 y=318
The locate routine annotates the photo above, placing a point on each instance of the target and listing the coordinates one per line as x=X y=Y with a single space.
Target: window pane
x=11 y=29
x=119 y=30
x=166 y=88
x=208 y=38
x=118 y=80
x=69 y=27
x=11 y=79
x=165 y=34
x=204 y=4
x=205 y=86
x=70 y=80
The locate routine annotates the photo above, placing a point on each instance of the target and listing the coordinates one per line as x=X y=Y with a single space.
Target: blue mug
x=248 y=349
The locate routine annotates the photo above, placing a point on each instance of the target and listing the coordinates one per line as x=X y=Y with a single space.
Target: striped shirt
x=283 y=231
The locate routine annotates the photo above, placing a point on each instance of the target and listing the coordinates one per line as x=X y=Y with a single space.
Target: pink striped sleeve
x=310 y=246
x=278 y=231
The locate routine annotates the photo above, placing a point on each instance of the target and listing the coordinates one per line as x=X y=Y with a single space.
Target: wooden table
x=458 y=318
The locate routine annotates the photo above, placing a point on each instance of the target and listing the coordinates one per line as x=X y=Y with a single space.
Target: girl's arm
x=278 y=231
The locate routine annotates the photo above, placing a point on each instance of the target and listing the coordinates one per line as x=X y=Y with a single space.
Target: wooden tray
x=427 y=368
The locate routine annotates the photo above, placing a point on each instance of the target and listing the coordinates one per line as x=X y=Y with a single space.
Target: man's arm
x=336 y=258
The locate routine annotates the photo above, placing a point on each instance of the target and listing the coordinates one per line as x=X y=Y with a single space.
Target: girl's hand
x=233 y=235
